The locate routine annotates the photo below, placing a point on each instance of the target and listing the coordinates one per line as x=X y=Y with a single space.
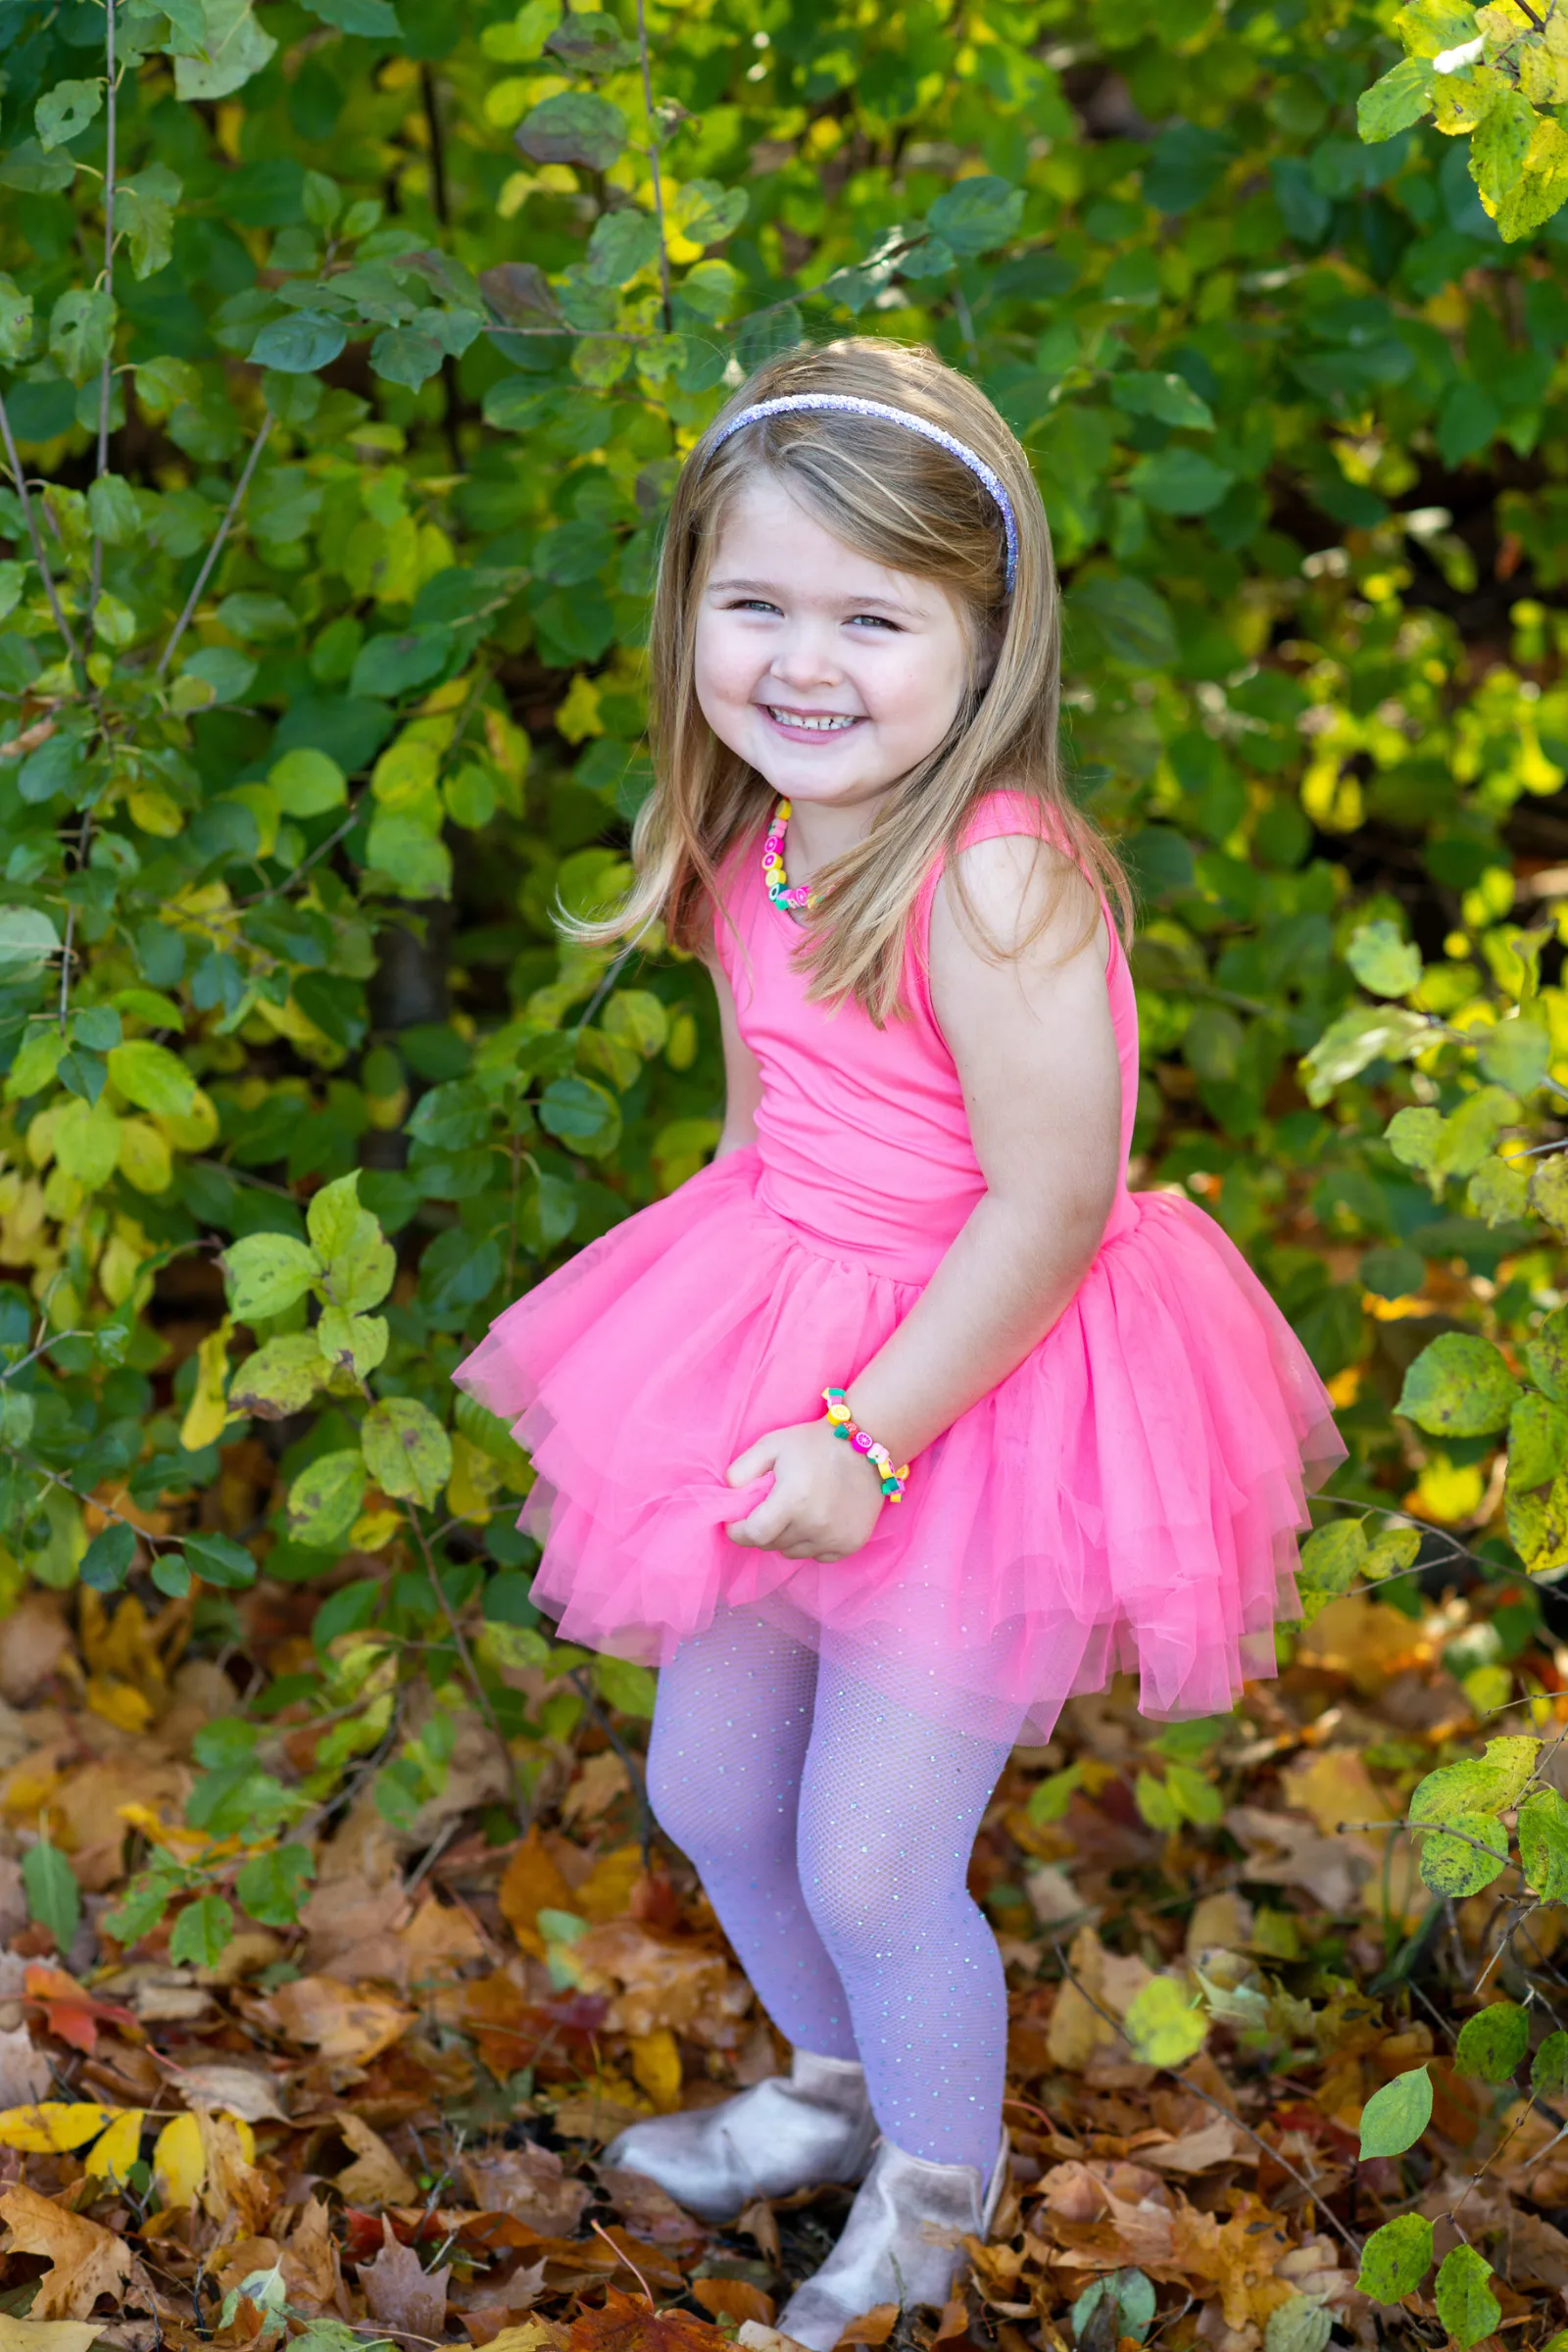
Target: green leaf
x=308 y=783
x=1401 y=97
x=1458 y=1387
x=1333 y=1557
x=627 y=1687
x=1538 y=1441
x=356 y=1343
x=268 y=1273
x=359 y=1260
x=1131 y=619
x=54 y=1899
x=151 y=1077
x=1543 y=1829
x=1486 y=1784
x=280 y=1378
x=1366 y=1034
x=1144 y=392
x=1498 y=151
x=271 y=1888
x=81 y=326
x=34 y=171
x=1304 y=2324
x=1464 y=1862
x=106 y=1563
x=407 y=1451
x=324 y=1500
x=1516 y=1054
x=1396 y=2257
x=1162 y=2024
x=1466 y=2305
x=1395 y=2117
x=1548 y=2069
x=370 y=19
x=582 y=1114
x=574 y=128
x=1499 y=1191
x=16 y=321
x=1384 y=962
x=63 y=113
x=219 y=1560
x=624 y=243
x=299 y=344
x=1180 y=481
x=1492 y=2044
x=232 y=47
x=415 y=861
x=202 y=1933
x=976 y=214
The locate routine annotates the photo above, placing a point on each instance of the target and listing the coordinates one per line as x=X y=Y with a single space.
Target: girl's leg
x=890 y=1805
x=730 y=1732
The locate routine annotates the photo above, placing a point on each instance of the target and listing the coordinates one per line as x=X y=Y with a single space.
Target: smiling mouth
x=812 y=723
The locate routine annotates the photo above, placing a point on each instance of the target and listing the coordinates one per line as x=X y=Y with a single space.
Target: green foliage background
x=347 y=422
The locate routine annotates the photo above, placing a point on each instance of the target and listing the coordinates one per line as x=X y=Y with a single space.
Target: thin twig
x=31 y=521
x=481 y=1696
x=106 y=379
x=212 y=552
x=654 y=144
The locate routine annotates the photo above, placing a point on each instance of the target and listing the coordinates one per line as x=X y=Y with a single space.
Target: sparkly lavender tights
x=832 y=1827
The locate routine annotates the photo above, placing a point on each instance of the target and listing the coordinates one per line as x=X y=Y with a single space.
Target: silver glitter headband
x=851 y=405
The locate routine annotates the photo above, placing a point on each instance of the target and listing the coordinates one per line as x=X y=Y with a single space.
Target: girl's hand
x=825 y=1500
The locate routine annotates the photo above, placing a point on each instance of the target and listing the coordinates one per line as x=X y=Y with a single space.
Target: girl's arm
x=743 y=1080
x=1035 y=1048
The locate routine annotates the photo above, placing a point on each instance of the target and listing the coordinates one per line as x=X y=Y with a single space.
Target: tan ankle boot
x=793 y=2130
x=899 y=2244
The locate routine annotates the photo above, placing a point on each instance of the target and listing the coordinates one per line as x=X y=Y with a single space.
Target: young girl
x=1079 y=1432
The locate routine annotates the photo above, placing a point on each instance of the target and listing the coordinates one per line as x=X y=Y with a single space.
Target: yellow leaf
x=120 y=1704
x=156 y=813
x=52 y=2128
x=373 y=1531
x=144 y=1155
x=194 y=1128
x=113 y=2156
x=656 y=2063
x=47 y=2335
x=179 y=2161
x=207 y=1409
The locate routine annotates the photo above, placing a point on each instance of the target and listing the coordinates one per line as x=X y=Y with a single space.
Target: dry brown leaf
x=1334 y=1787
x=375 y=2177
x=233 y=2188
x=873 y=2327
x=1283 y=1853
x=652 y=1984
x=606 y=1890
x=24 y=2076
x=529 y=2182
x=402 y=2296
x=595 y=1790
x=624 y=2325
x=86 y=2262
x=649 y=2211
x=533 y=1882
x=45 y=2336
x=437 y=1942
x=312 y=2272
x=736 y=2299
x=38 y=1639
x=228 y=2086
x=1219 y=2142
x=349 y=2028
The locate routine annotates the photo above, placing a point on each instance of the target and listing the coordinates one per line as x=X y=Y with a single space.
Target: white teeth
x=832 y=725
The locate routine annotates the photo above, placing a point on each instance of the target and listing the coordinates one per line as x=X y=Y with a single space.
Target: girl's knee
x=715 y=1820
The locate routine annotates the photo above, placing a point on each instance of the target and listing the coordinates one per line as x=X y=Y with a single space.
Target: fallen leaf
x=1219 y=2142
x=86 y=2261
x=737 y=2299
x=230 y=2087
x=54 y=2126
x=112 y=2157
x=375 y=2177
x=402 y=2296
x=349 y=2028
x=532 y=2183
x=622 y=2324
x=1283 y=1852
x=595 y=1790
x=179 y=2161
x=533 y=1882
x=46 y=2336
x=873 y=2327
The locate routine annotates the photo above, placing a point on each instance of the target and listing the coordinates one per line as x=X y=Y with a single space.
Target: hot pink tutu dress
x=1129 y=1497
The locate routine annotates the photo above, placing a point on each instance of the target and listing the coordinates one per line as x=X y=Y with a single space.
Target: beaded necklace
x=790 y=898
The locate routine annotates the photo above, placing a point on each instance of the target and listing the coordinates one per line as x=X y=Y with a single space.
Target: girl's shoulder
x=1016 y=881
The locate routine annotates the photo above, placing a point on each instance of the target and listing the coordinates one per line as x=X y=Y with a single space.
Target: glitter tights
x=832 y=1827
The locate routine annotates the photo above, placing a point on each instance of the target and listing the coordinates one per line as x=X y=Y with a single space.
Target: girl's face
x=832 y=676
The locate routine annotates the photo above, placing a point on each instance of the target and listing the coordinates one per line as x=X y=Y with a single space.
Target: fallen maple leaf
x=738 y=2299
x=402 y=2296
x=86 y=2261
x=70 y=2011
x=349 y=2028
x=375 y=2177
x=530 y=2182
x=625 y=2323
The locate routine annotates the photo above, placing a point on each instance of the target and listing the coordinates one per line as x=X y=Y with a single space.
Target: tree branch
x=29 y=518
x=212 y=552
x=106 y=381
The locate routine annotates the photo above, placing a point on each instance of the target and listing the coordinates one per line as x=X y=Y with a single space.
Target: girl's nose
x=806 y=658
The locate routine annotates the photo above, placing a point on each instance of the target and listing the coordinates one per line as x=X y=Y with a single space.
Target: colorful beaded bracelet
x=893 y=1481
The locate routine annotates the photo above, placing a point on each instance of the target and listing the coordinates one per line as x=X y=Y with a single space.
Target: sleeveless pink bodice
x=862 y=1132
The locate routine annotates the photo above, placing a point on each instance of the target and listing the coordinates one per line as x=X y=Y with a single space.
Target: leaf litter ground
x=388 y=2124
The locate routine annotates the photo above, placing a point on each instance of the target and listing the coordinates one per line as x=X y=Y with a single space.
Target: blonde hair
x=913 y=507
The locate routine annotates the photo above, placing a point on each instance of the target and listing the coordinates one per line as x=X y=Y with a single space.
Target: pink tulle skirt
x=1129 y=1497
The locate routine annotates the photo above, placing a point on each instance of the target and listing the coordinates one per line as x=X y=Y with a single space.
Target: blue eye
x=878 y=620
